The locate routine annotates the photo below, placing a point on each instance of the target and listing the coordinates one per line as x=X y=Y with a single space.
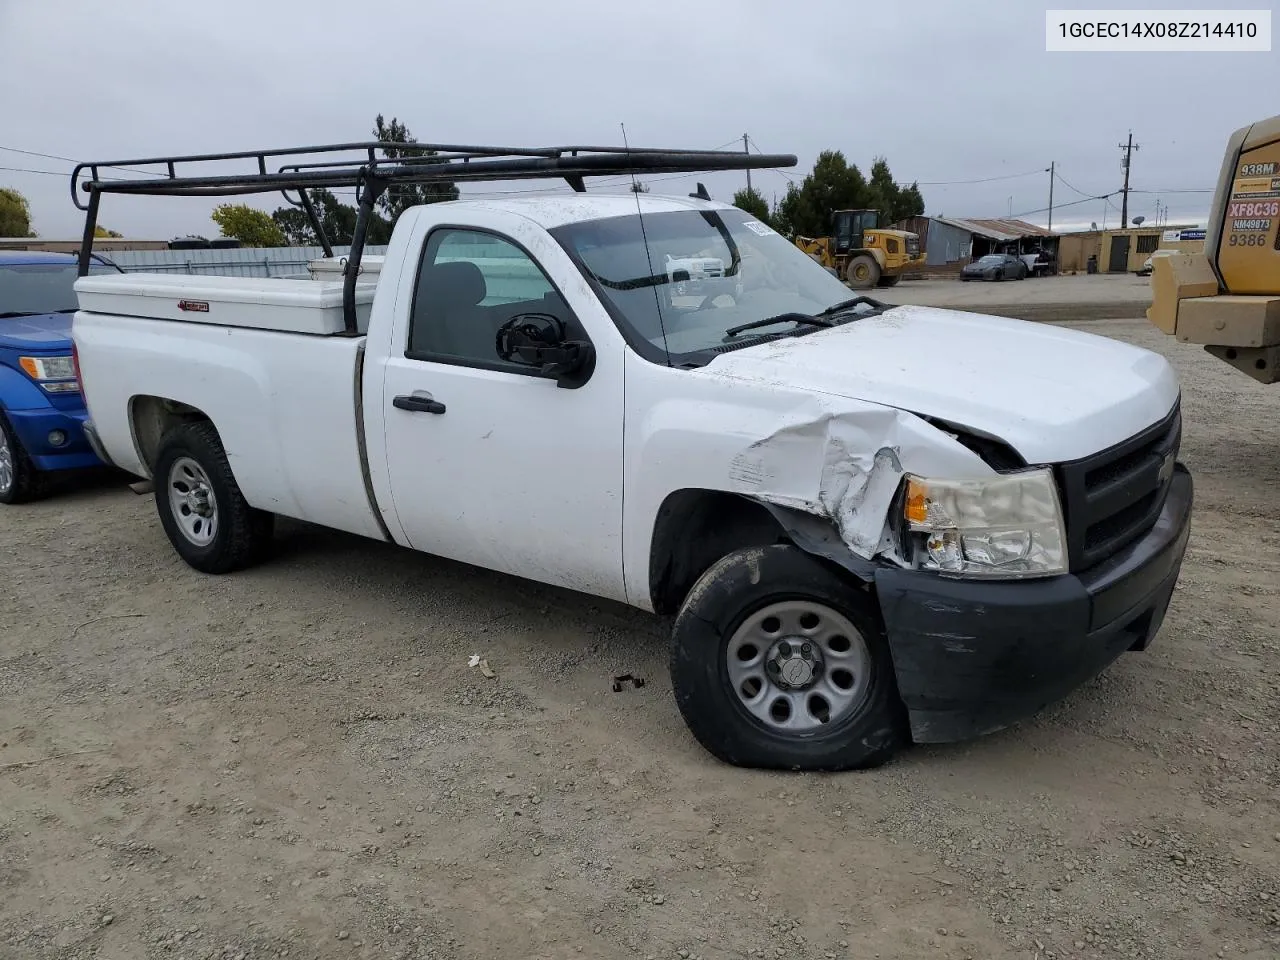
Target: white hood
x=1051 y=393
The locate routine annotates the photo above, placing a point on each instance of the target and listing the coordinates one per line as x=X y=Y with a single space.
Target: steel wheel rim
x=798 y=666
x=191 y=501
x=6 y=461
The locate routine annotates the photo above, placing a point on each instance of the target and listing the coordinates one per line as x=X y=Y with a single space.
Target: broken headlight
x=1003 y=527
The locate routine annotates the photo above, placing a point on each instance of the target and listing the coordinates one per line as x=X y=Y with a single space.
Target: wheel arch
x=695 y=527
x=151 y=417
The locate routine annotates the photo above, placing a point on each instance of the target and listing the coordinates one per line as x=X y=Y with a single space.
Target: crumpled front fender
x=844 y=469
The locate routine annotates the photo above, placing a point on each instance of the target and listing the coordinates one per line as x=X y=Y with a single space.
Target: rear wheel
x=862 y=272
x=777 y=662
x=206 y=517
x=890 y=281
x=20 y=481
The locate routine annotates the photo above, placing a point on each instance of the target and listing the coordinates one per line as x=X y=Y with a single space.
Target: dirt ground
x=1079 y=297
x=298 y=762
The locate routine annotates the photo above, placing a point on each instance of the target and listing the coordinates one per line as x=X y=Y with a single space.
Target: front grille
x=1112 y=498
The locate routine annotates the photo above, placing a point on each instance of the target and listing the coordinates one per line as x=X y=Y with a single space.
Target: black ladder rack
x=358 y=165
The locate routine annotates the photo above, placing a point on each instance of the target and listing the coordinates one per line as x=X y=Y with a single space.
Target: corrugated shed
x=947 y=243
x=997 y=229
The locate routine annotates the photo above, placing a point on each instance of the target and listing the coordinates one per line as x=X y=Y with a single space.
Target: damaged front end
x=880 y=486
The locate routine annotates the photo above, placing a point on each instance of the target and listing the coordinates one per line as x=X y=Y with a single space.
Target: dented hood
x=1051 y=393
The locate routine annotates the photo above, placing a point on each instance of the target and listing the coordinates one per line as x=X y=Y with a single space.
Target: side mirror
x=541 y=340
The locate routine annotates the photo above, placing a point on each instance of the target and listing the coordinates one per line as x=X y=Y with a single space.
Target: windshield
x=993 y=258
x=34 y=288
x=703 y=273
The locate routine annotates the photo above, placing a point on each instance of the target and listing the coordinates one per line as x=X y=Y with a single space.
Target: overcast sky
x=947 y=91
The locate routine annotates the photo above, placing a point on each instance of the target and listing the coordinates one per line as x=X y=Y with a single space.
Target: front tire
x=862 y=272
x=777 y=662
x=206 y=517
x=20 y=481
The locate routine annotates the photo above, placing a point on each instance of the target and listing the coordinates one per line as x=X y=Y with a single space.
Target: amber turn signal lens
x=917 y=510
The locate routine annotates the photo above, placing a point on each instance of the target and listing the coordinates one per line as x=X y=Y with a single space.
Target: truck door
x=504 y=469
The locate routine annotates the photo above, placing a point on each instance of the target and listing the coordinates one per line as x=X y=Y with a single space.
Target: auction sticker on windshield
x=758 y=228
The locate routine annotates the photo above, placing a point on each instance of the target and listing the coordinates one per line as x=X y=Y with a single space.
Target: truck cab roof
x=554 y=210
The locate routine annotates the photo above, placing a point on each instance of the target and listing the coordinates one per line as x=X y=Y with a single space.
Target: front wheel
x=777 y=662
x=206 y=517
x=862 y=272
x=890 y=281
x=20 y=481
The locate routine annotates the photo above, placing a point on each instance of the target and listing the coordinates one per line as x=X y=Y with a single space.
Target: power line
x=954 y=183
x=1063 y=181
x=51 y=173
x=54 y=156
x=1059 y=206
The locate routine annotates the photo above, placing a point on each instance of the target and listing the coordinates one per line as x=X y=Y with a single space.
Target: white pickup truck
x=873 y=524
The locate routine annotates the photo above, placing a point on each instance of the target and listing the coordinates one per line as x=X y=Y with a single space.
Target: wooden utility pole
x=1124 y=201
x=1052 y=164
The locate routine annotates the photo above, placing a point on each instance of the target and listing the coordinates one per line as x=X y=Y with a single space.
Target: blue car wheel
x=20 y=481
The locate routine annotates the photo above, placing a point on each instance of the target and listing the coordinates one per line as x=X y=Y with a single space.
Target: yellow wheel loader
x=861 y=253
x=1228 y=298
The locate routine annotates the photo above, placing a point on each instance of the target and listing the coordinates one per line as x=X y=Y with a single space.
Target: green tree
x=892 y=200
x=400 y=197
x=753 y=202
x=337 y=219
x=911 y=202
x=295 y=226
x=835 y=184
x=250 y=226
x=787 y=211
x=15 y=214
x=104 y=233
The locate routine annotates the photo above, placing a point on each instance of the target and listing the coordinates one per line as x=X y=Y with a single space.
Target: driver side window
x=469 y=284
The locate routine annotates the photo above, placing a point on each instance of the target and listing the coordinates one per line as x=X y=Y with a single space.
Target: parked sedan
x=995 y=266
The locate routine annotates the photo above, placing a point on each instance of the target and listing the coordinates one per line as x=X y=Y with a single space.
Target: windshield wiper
x=844 y=305
x=817 y=321
x=10 y=314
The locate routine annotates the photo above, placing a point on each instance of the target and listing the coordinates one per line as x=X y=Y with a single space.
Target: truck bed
x=271 y=303
x=286 y=406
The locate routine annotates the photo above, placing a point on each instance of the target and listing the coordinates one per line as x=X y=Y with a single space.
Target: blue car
x=42 y=411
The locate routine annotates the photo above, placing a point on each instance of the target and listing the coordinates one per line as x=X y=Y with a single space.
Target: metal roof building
x=954 y=241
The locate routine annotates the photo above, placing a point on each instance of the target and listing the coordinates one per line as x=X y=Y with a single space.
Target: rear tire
x=20 y=481
x=729 y=661
x=862 y=272
x=890 y=281
x=206 y=517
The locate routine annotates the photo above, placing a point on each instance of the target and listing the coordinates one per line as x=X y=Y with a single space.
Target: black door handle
x=417 y=404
